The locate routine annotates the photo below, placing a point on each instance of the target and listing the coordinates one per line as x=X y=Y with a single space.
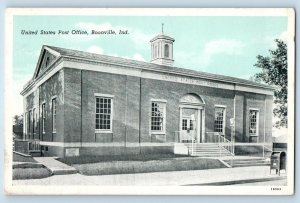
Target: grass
x=20 y=158
x=143 y=163
x=30 y=173
x=109 y=158
x=28 y=168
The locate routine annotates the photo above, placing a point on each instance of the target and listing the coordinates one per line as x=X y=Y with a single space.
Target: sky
x=223 y=45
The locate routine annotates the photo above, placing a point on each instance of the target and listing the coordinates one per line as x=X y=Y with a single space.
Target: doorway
x=192 y=118
x=190 y=124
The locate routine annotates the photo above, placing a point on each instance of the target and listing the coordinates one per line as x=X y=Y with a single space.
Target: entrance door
x=190 y=125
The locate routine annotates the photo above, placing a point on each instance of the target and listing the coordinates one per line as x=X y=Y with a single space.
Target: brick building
x=80 y=103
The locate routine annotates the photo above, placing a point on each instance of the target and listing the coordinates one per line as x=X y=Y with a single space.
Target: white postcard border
x=149 y=190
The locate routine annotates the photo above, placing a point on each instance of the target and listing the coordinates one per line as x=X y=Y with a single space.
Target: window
x=184 y=124
x=25 y=124
x=29 y=123
x=191 y=125
x=167 y=51
x=104 y=113
x=43 y=117
x=219 y=119
x=54 y=115
x=33 y=121
x=158 y=116
x=47 y=61
x=253 y=122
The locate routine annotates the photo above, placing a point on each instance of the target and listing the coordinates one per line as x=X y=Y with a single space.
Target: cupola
x=162 y=49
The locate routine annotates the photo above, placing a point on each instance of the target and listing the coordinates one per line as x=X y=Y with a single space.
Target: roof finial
x=162 y=28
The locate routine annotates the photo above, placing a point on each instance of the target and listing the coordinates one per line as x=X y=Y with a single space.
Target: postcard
x=135 y=101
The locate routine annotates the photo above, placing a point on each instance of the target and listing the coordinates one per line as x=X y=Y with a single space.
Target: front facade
x=80 y=103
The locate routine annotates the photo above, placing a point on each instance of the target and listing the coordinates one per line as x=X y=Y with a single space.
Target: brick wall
x=72 y=105
x=173 y=92
x=126 y=91
x=103 y=83
x=51 y=88
x=44 y=93
x=75 y=91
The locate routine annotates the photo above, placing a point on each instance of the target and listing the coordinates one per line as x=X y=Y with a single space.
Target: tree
x=274 y=72
x=18 y=119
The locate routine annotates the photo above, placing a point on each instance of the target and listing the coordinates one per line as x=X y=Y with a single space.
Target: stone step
x=56 y=167
x=201 y=145
x=208 y=150
x=210 y=154
x=63 y=171
x=248 y=162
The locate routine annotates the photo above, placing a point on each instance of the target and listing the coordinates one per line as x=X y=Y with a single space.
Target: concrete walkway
x=56 y=167
x=249 y=175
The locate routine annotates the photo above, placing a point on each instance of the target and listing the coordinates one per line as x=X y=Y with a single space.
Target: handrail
x=34 y=144
x=264 y=146
x=223 y=143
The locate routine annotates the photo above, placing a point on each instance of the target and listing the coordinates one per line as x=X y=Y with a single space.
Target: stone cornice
x=243 y=86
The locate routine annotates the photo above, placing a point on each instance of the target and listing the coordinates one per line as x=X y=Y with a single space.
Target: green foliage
x=18 y=120
x=274 y=72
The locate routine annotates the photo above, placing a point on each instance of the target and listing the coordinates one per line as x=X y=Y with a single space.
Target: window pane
x=253 y=121
x=54 y=115
x=103 y=114
x=219 y=119
x=157 y=113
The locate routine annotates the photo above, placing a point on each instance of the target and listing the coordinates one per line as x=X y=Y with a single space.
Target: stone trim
x=146 y=72
x=111 y=144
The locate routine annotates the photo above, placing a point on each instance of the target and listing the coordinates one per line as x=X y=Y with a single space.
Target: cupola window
x=167 y=50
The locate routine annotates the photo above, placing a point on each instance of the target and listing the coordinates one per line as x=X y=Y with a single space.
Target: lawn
x=30 y=173
x=109 y=158
x=19 y=157
x=139 y=164
x=25 y=167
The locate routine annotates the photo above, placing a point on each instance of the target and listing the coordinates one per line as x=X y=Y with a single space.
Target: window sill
x=158 y=133
x=103 y=131
x=253 y=135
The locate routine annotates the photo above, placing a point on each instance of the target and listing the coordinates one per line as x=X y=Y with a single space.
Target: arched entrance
x=191 y=122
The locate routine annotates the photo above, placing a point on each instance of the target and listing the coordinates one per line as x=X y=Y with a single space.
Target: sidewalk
x=237 y=175
x=56 y=167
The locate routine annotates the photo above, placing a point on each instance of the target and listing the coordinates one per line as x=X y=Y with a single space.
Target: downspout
x=234 y=124
x=39 y=122
x=126 y=100
x=81 y=108
x=140 y=113
x=265 y=126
